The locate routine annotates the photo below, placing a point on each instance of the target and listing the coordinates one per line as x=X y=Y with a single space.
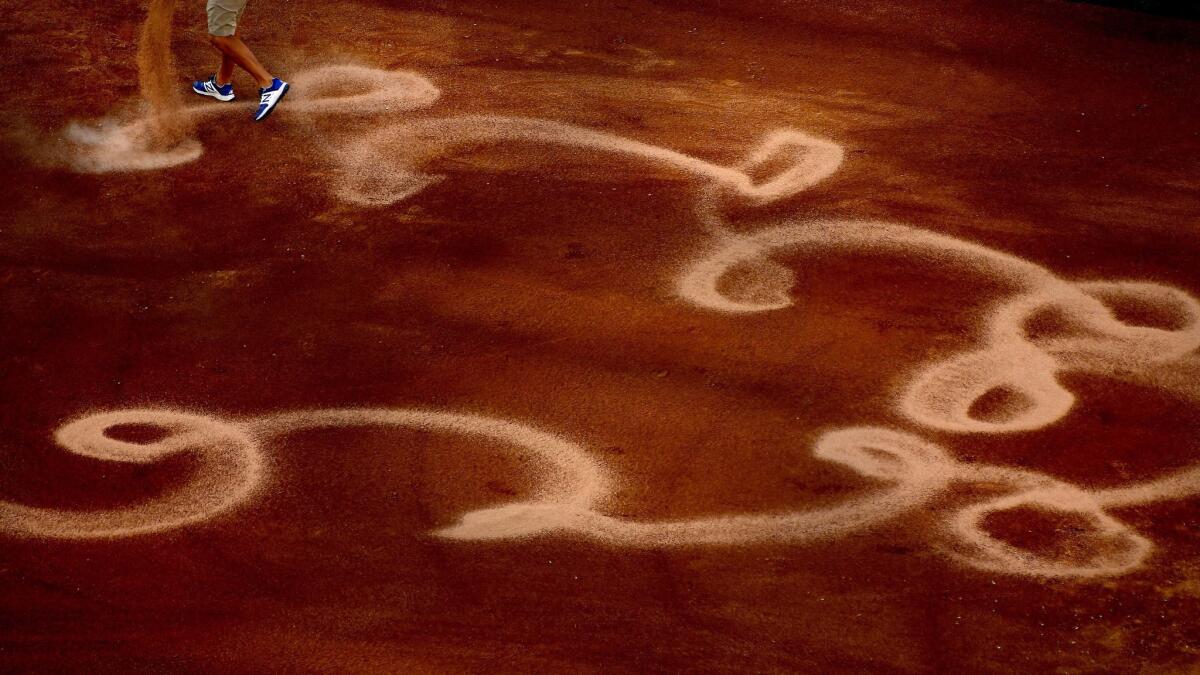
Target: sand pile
x=155 y=135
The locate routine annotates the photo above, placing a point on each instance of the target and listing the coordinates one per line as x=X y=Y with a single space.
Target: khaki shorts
x=223 y=16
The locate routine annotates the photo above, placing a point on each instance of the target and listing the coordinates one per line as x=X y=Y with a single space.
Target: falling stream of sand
x=157 y=80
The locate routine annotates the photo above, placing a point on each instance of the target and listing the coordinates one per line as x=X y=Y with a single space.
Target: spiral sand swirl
x=1011 y=358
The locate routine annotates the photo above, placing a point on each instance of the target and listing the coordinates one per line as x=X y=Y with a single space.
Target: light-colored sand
x=914 y=470
x=111 y=146
x=575 y=478
x=229 y=467
x=393 y=155
x=737 y=273
x=117 y=145
x=575 y=490
x=942 y=394
x=1106 y=548
x=165 y=124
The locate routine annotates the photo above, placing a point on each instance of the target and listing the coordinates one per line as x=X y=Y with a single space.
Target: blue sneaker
x=271 y=96
x=209 y=88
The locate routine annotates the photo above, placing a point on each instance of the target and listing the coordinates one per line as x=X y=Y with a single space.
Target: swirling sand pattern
x=347 y=90
x=386 y=165
x=229 y=469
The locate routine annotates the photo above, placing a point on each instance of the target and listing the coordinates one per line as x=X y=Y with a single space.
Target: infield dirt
x=634 y=337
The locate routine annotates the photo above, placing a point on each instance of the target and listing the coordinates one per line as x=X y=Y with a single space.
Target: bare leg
x=233 y=48
x=225 y=72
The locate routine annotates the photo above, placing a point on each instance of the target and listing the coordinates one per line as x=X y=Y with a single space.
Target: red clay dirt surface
x=541 y=284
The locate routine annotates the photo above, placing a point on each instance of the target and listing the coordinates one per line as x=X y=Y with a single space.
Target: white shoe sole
x=219 y=97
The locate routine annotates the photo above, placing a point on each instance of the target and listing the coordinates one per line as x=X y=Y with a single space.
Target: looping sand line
x=229 y=467
x=912 y=469
x=584 y=481
x=942 y=395
x=570 y=497
x=384 y=166
x=1012 y=358
x=1113 y=548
